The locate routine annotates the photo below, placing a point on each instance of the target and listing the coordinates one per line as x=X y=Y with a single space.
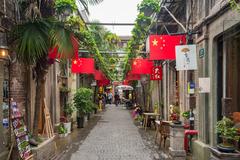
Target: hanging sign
x=156 y=73
x=20 y=131
x=204 y=85
x=186 y=57
x=191 y=87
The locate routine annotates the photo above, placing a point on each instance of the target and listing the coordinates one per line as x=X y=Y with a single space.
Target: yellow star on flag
x=155 y=42
x=75 y=62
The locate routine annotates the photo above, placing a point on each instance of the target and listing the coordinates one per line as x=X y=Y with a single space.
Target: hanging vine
x=140 y=31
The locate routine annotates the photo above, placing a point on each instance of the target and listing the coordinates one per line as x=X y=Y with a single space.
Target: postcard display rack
x=20 y=132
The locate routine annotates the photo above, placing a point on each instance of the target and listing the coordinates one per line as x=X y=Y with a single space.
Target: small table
x=146 y=115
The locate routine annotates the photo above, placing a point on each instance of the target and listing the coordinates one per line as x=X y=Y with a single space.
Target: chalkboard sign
x=20 y=131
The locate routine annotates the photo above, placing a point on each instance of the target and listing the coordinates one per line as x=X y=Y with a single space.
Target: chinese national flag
x=98 y=75
x=104 y=82
x=53 y=52
x=163 y=46
x=125 y=82
x=130 y=76
x=156 y=73
x=83 y=65
x=141 y=66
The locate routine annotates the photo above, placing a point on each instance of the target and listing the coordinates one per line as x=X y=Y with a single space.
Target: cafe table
x=146 y=117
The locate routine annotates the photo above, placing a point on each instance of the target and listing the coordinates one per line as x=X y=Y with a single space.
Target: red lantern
x=156 y=73
x=83 y=65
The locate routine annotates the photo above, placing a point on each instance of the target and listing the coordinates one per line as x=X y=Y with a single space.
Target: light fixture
x=4 y=52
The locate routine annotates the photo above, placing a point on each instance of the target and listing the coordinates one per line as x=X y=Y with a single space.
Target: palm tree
x=91 y=2
x=36 y=35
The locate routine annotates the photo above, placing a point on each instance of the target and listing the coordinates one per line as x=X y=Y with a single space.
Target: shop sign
x=191 y=87
x=186 y=57
x=201 y=53
x=204 y=85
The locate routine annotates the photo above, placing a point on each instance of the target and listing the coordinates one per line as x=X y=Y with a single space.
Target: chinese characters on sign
x=186 y=57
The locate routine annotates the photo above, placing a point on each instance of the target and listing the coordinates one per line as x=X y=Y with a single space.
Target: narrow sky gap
x=116 y=11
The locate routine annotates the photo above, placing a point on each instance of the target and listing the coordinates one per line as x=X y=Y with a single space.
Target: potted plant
x=62 y=131
x=175 y=114
x=143 y=20
x=228 y=134
x=65 y=6
x=83 y=101
x=148 y=7
x=69 y=108
x=186 y=116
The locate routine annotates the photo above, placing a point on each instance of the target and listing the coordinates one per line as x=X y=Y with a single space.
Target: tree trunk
x=41 y=72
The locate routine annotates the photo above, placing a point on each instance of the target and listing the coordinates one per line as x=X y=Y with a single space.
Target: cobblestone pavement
x=115 y=137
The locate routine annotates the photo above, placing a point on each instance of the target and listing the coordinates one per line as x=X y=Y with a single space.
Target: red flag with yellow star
x=162 y=47
x=83 y=65
x=141 y=66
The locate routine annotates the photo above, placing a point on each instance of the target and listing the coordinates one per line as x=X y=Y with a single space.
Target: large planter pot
x=218 y=155
x=63 y=135
x=88 y=116
x=95 y=110
x=85 y=118
x=67 y=126
x=80 y=122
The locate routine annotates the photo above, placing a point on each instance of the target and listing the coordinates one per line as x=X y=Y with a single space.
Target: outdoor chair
x=164 y=132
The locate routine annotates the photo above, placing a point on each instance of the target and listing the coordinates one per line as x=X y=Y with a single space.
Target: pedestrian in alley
x=116 y=98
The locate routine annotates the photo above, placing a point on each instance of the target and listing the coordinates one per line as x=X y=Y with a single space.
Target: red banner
x=163 y=46
x=141 y=66
x=83 y=65
x=156 y=73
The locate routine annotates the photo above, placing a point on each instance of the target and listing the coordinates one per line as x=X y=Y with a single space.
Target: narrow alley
x=115 y=137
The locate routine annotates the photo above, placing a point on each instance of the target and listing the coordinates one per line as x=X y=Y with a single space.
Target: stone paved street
x=115 y=137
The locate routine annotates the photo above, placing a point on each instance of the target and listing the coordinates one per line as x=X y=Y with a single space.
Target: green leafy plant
x=62 y=129
x=234 y=5
x=64 y=89
x=149 y=6
x=186 y=114
x=69 y=108
x=174 y=113
x=83 y=101
x=227 y=131
x=62 y=5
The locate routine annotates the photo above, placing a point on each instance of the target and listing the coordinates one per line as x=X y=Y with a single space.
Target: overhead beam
x=110 y=24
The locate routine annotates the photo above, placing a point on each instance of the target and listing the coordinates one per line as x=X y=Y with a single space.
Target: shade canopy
x=124 y=87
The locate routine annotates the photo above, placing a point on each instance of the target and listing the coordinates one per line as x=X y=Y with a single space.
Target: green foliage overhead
x=62 y=5
x=234 y=4
x=83 y=100
x=33 y=39
x=140 y=32
x=149 y=6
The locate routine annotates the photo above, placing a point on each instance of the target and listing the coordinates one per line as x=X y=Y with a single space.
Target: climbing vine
x=140 y=31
